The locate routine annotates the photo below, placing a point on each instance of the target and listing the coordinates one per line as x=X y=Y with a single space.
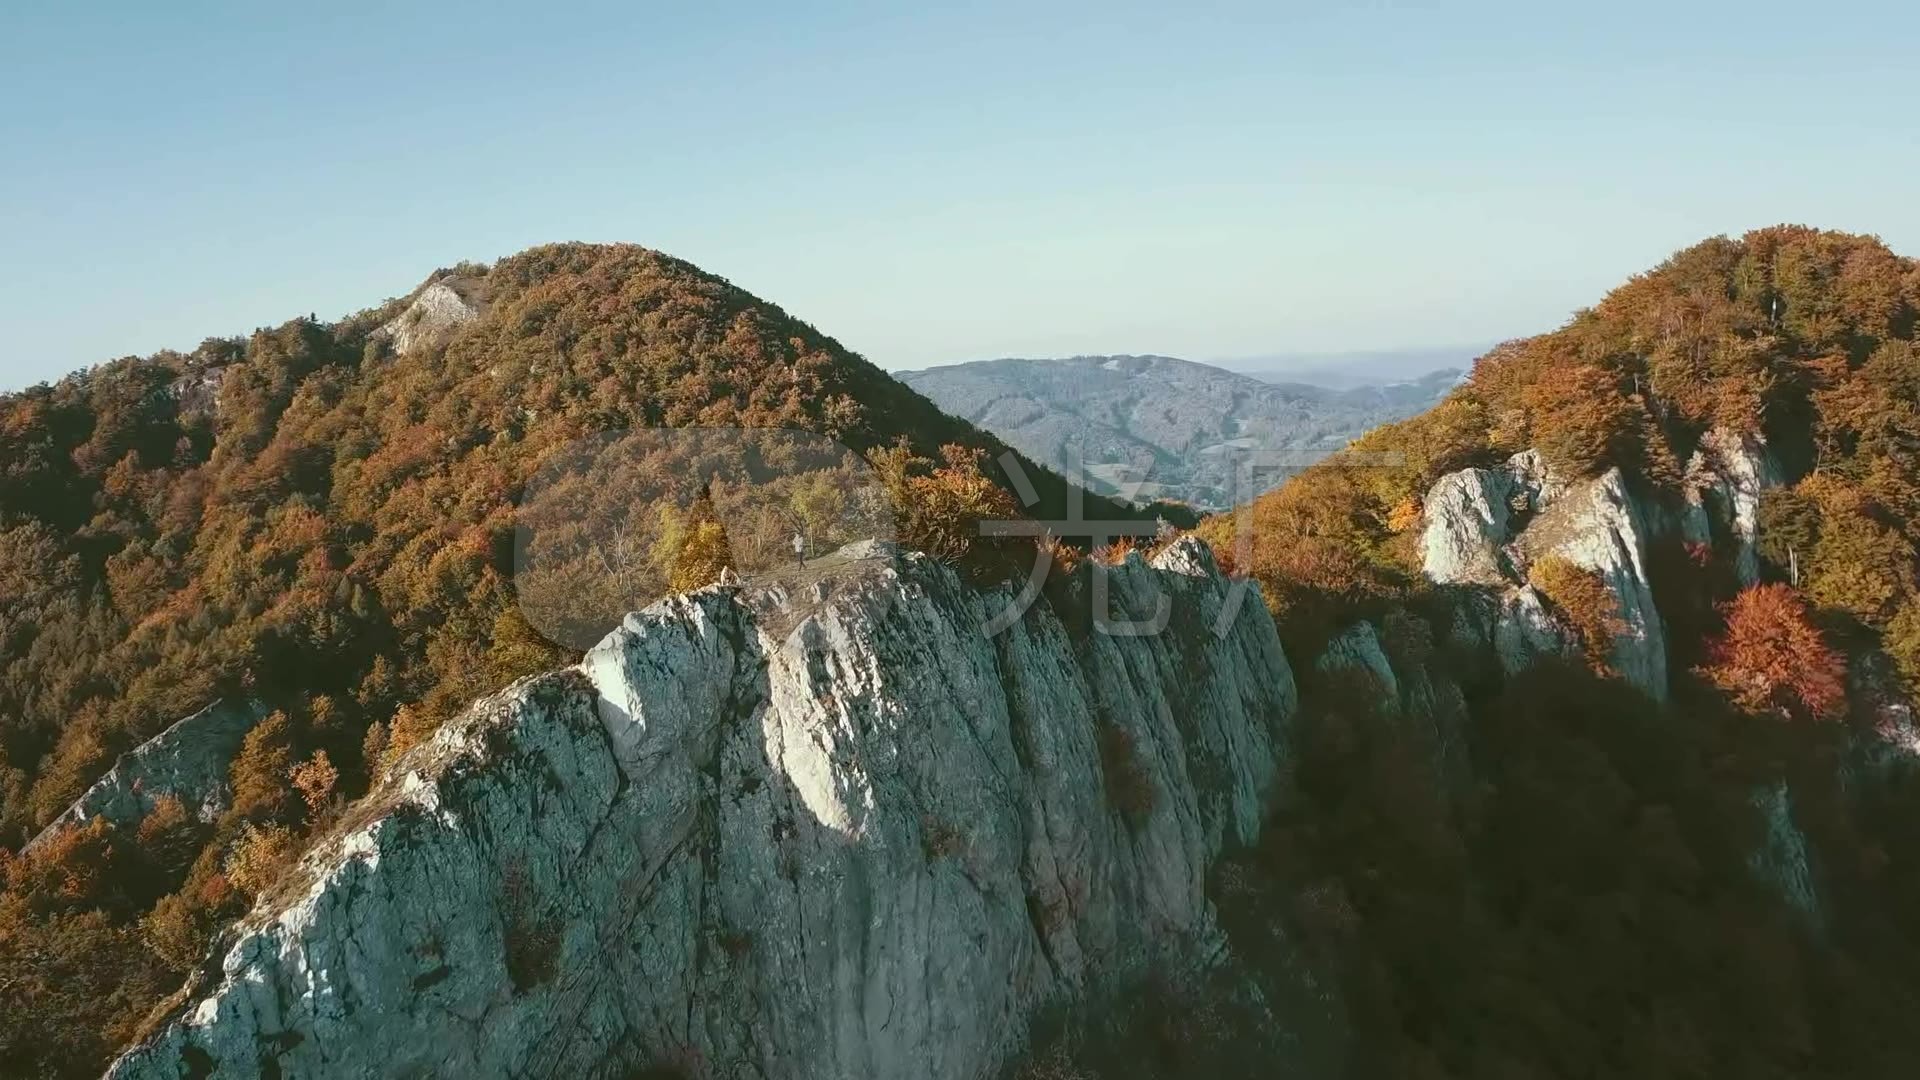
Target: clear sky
x=934 y=185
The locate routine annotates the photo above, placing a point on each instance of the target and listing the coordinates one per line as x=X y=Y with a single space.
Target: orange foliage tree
x=1580 y=420
x=1584 y=597
x=942 y=507
x=1772 y=659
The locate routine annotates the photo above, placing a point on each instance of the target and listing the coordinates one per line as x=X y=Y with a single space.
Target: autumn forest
x=320 y=525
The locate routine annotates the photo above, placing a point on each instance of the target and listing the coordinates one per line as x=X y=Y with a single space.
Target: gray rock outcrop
x=1487 y=527
x=854 y=838
x=1724 y=480
x=1410 y=688
x=1358 y=649
x=436 y=312
x=1468 y=515
x=187 y=761
x=197 y=392
x=1599 y=526
x=1781 y=861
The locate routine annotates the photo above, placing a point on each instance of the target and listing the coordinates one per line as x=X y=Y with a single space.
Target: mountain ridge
x=1162 y=427
x=747 y=820
x=1596 y=731
x=322 y=518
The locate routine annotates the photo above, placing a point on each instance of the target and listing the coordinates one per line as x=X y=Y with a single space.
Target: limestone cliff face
x=1486 y=527
x=1725 y=478
x=188 y=761
x=807 y=828
x=436 y=312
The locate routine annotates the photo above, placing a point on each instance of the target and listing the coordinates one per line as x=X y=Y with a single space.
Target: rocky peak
x=819 y=829
x=437 y=310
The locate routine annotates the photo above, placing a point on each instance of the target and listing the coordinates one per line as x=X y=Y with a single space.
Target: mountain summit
x=318 y=525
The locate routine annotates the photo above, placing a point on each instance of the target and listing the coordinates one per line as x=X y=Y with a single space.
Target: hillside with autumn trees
x=320 y=518
x=1607 y=896
x=1803 y=338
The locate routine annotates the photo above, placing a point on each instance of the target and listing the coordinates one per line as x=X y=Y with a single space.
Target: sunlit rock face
x=1468 y=516
x=1486 y=527
x=792 y=829
x=436 y=312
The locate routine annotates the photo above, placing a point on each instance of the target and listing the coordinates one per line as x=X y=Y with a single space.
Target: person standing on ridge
x=800 y=550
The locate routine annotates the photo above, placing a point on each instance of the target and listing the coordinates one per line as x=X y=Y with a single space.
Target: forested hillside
x=1541 y=869
x=320 y=519
x=1801 y=337
x=1719 y=883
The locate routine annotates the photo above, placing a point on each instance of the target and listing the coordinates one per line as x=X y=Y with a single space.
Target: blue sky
x=934 y=186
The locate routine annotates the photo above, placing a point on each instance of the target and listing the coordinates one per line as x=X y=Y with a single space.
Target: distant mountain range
x=1156 y=427
x=1346 y=370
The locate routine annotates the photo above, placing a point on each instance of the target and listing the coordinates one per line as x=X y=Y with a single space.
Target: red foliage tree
x=1772 y=659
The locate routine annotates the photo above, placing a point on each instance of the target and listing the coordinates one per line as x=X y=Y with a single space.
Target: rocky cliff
x=1487 y=527
x=823 y=826
x=803 y=828
x=1725 y=478
x=188 y=761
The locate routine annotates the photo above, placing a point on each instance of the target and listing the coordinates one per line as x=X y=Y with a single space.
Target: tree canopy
x=314 y=519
